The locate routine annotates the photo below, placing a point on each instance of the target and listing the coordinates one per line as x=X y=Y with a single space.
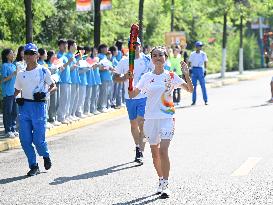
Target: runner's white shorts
x=157 y=129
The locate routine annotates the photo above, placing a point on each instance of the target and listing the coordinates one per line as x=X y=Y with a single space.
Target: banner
x=175 y=38
x=83 y=5
x=106 y=5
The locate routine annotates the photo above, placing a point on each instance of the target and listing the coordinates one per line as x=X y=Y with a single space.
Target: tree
x=97 y=22
x=29 y=16
x=140 y=20
x=172 y=15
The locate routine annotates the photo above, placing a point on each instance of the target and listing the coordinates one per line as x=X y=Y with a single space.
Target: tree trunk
x=29 y=16
x=224 y=51
x=97 y=22
x=172 y=14
x=140 y=20
x=241 y=51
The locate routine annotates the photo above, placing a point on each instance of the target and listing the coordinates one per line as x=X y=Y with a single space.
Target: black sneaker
x=193 y=103
x=34 y=170
x=139 y=156
x=47 y=163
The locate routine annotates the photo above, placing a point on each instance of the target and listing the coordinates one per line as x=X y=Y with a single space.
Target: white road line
x=246 y=167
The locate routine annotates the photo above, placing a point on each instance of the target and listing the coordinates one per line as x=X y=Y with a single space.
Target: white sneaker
x=82 y=116
x=69 y=119
x=88 y=114
x=160 y=186
x=49 y=126
x=96 y=112
x=104 y=110
x=65 y=122
x=10 y=135
x=165 y=191
x=56 y=123
x=270 y=101
x=16 y=134
x=74 y=118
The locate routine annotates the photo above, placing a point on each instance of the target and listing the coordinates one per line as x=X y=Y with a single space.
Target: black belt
x=28 y=100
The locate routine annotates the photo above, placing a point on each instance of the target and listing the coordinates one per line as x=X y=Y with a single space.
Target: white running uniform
x=159 y=111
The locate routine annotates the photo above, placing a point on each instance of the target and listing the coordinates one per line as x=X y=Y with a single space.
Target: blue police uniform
x=32 y=112
x=197 y=61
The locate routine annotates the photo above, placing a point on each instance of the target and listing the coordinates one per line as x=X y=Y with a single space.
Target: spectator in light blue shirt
x=83 y=84
x=53 y=102
x=94 y=101
x=9 y=73
x=19 y=60
x=91 y=83
x=106 y=78
x=75 y=80
x=117 y=86
x=119 y=44
x=42 y=56
x=64 y=84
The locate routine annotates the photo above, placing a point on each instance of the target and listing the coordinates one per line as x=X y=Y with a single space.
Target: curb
x=244 y=77
x=7 y=144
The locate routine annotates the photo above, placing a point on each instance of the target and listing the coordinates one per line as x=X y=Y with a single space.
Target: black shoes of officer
x=47 y=163
x=34 y=170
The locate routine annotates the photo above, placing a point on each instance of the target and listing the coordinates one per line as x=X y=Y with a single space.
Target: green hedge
x=251 y=54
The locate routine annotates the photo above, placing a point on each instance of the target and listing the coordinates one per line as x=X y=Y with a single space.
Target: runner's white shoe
x=165 y=191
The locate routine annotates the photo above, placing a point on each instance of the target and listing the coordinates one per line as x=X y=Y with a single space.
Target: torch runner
x=133 y=40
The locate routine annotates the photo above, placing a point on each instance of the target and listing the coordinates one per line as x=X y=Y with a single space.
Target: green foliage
x=65 y=22
x=54 y=19
x=116 y=23
x=251 y=53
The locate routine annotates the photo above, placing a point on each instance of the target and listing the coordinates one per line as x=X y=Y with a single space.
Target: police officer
x=198 y=63
x=34 y=83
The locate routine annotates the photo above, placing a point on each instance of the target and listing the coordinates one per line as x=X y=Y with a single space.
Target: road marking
x=246 y=167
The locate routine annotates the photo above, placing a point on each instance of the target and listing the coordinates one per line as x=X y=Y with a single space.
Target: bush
x=251 y=53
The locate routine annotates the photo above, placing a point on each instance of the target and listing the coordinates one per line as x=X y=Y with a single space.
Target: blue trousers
x=9 y=113
x=198 y=75
x=32 y=118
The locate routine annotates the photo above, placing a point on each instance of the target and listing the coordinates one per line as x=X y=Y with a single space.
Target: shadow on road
x=142 y=200
x=12 y=179
x=94 y=174
x=255 y=106
x=262 y=105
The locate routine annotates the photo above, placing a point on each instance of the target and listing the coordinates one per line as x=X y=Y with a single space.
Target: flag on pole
x=106 y=5
x=83 y=5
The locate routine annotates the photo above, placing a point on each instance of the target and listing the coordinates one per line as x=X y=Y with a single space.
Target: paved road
x=221 y=154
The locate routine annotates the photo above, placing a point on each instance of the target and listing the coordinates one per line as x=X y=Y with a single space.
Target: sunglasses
x=30 y=52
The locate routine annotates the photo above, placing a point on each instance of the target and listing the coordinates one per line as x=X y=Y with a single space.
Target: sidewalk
x=213 y=81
